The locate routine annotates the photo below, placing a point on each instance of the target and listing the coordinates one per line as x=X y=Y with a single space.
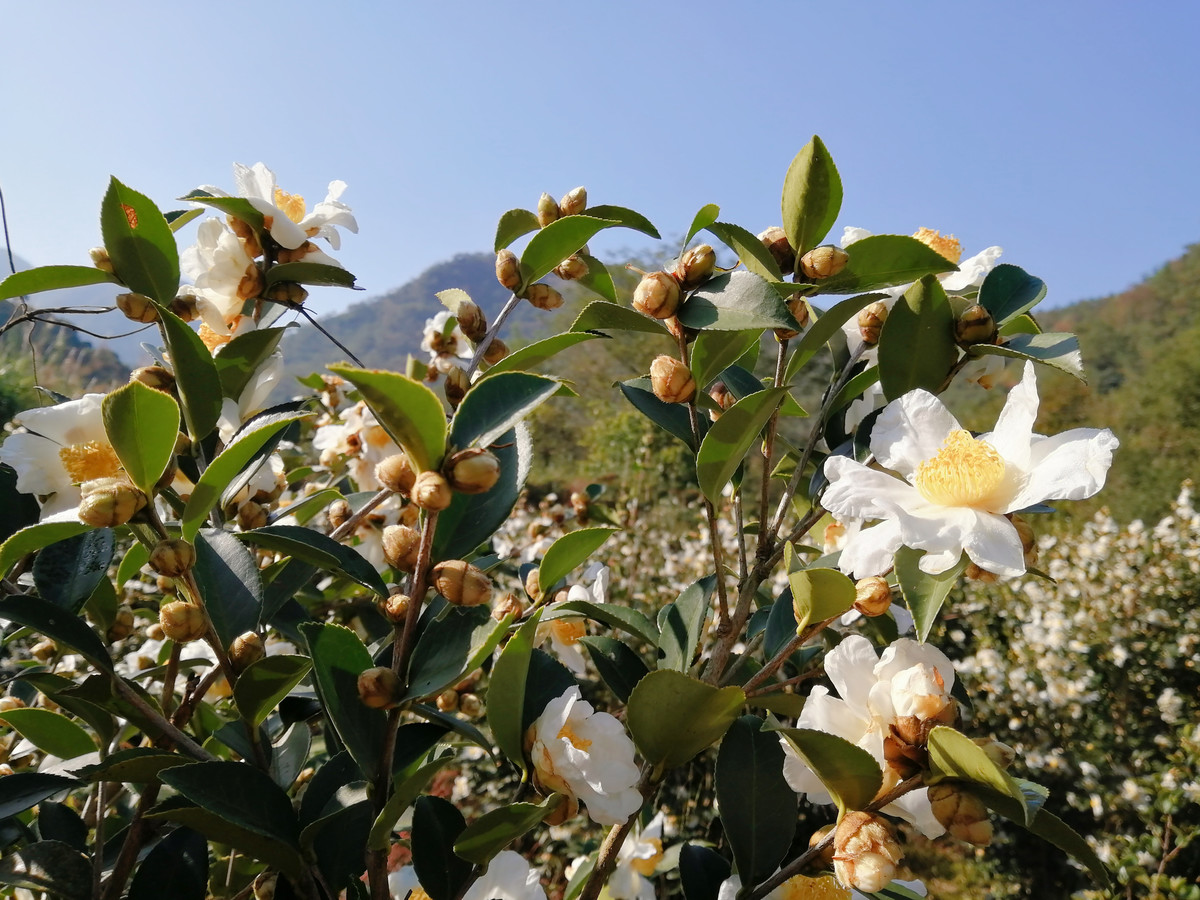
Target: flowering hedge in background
x=308 y=649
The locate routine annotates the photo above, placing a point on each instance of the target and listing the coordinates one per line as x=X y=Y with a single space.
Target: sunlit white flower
x=953 y=491
x=636 y=862
x=508 y=877
x=586 y=755
x=802 y=887
x=358 y=440
x=224 y=276
x=442 y=342
x=910 y=679
x=564 y=632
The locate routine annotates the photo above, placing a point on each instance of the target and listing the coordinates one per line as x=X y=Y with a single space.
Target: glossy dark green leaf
x=1020 y=325
x=681 y=624
x=512 y=225
x=224 y=830
x=310 y=273
x=230 y=583
x=920 y=320
x=673 y=418
x=533 y=355
x=142 y=425
x=598 y=279
x=1051 y=828
x=854 y=388
x=134 y=764
x=67 y=572
x=409 y=411
x=623 y=618
x=242 y=356
x=50 y=732
x=58 y=822
x=571 y=551
x=849 y=773
x=1057 y=349
x=339 y=842
x=238 y=207
x=812 y=196
x=752 y=252
x=318 y=550
x=337 y=772
x=265 y=682
x=506 y=691
x=924 y=594
x=21 y=790
x=496 y=829
x=673 y=716
x=780 y=703
x=51 y=278
x=554 y=243
x=730 y=439
x=240 y=794
x=620 y=666
x=825 y=327
x=758 y=807
x=450 y=647
x=17 y=510
x=48 y=866
x=736 y=301
x=496 y=404
x=177 y=218
x=548 y=680
x=625 y=218
x=701 y=872
x=33 y=538
x=953 y=755
x=714 y=351
x=704 y=217
x=196 y=376
x=302 y=510
x=57 y=624
x=781 y=624
x=884 y=260
x=176 y=867
x=602 y=316
x=437 y=824
x=1009 y=291
x=139 y=243
x=406 y=791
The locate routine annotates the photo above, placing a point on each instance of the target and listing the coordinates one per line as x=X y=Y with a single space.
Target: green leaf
x=223 y=830
x=33 y=538
x=535 y=354
x=506 y=691
x=953 y=755
x=752 y=252
x=849 y=773
x=619 y=665
x=241 y=358
x=55 y=623
x=339 y=657
x=736 y=301
x=49 y=866
x=303 y=510
x=410 y=412
x=240 y=794
x=625 y=218
x=1057 y=349
x=229 y=580
x=623 y=618
x=436 y=826
x=758 y=808
x=176 y=867
x=450 y=647
x=924 y=594
x=67 y=572
x=1009 y=291
x=496 y=404
x=701 y=872
x=310 y=273
x=512 y=225
x=556 y=242
x=142 y=425
x=916 y=346
x=50 y=732
x=1020 y=325
x=318 y=550
x=51 y=278
x=819 y=594
x=21 y=790
x=338 y=771
x=228 y=463
x=177 y=218
x=673 y=418
x=238 y=207
x=673 y=716
x=603 y=316
x=681 y=624
x=884 y=260
x=598 y=279
x=812 y=197
x=135 y=765
x=196 y=375
x=825 y=327
x=715 y=351
x=496 y=829
x=730 y=439
x=265 y=682
x=703 y=218
x=548 y=680
x=569 y=552
x=402 y=797
x=139 y=243
x=782 y=704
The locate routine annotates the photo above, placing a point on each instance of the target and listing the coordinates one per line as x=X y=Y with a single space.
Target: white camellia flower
x=508 y=877
x=910 y=679
x=586 y=755
x=804 y=888
x=951 y=493
x=564 y=632
x=636 y=861
x=222 y=272
x=359 y=440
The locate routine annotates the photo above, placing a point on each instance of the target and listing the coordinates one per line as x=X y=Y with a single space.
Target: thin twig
x=347 y=527
x=482 y=346
x=184 y=743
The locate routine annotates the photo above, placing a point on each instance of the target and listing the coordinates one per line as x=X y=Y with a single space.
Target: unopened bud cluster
x=865 y=852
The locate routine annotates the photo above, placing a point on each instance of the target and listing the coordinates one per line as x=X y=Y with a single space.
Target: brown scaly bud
x=247 y=235
x=379 y=688
x=974 y=326
x=165 y=585
x=865 y=852
x=462 y=583
x=873 y=596
x=137 y=307
x=182 y=622
x=533 y=585
x=657 y=295
x=395 y=607
x=246 y=649
x=573 y=202
x=8 y=704
x=543 y=296
x=431 y=492
x=338 y=512
x=824 y=261
x=184 y=306
x=671 y=380
x=775 y=240
x=798 y=307
x=122 y=626
x=251 y=515
x=508 y=270
x=581 y=505
x=473 y=471
x=470 y=705
x=471 y=320
x=155 y=632
x=5 y=768
x=172 y=557
x=43 y=650
x=509 y=603
x=447 y=700
x=264 y=885
x=572 y=268
x=396 y=473
x=723 y=397
x=109 y=502
x=1028 y=540
x=870 y=322
x=983 y=576
x=288 y=293
x=696 y=267
x=101 y=259
x=410 y=515
x=961 y=813
x=547 y=210
x=401 y=546
x=997 y=751
x=154 y=377
x=824 y=859
x=456 y=385
x=496 y=351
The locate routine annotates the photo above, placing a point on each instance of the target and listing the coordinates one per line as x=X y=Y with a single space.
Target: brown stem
x=184 y=714
x=482 y=346
x=168 y=692
x=134 y=839
x=183 y=743
x=347 y=527
x=765 y=536
x=98 y=849
x=781 y=657
x=777 y=686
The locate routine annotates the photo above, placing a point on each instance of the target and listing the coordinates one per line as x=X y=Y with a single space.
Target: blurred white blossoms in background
x=908 y=686
x=564 y=631
x=954 y=492
x=801 y=887
x=508 y=877
x=585 y=755
x=636 y=861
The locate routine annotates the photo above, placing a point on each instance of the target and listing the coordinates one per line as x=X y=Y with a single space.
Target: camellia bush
x=302 y=650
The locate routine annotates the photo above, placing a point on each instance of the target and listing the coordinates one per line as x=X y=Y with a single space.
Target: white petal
x=1014 y=426
x=870 y=551
x=36 y=463
x=72 y=422
x=993 y=544
x=971 y=272
x=1068 y=466
x=850 y=234
x=849 y=667
x=914 y=807
x=910 y=431
x=856 y=492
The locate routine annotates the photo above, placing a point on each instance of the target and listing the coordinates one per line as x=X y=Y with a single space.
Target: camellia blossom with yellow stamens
x=637 y=859
x=953 y=493
x=802 y=887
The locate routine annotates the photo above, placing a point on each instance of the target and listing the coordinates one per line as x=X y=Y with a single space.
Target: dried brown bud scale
x=172 y=557
x=396 y=473
x=873 y=596
x=547 y=210
x=156 y=377
x=508 y=604
x=447 y=700
x=865 y=852
x=456 y=385
x=543 y=296
x=696 y=267
x=251 y=515
x=470 y=705
x=182 y=622
x=961 y=813
x=572 y=268
x=496 y=351
x=401 y=546
x=379 y=688
x=109 y=502
x=776 y=241
x=657 y=295
x=137 y=307
x=870 y=322
x=573 y=202
x=508 y=270
x=395 y=607
x=462 y=583
x=184 y=306
x=101 y=259
x=339 y=511
x=974 y=326
x=246 y=649
x=471 y=320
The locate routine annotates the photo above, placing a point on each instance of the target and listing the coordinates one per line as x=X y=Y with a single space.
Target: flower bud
x=657 y=295
x=109 y=502
x=496 y=351
x=447 y=700
x=873 y=596
x=264 y=885
x=572 y=268
x=456 y=385
x=246 y=649
x=543 y=296
x=462 y=583
x=288 y=293
x=5 y=768
x=547 y=210
x=581 y=504
x=997 y=751
x=251 y=515
x=473 y=471
x=470 y=705
x=798 y=307
x=1028 y=540
x=723 y=397
x=395 y=607
x=776 y=241
x=695 y=267
x=533 y=584
x=184 y=306
x=824 y=859
x=671 y=380
x=974 y=326
x=182 y=622
x=43 y=650
x=137 y=307
x=154 y=377
x=508 y=270
x=154 y=632
x=172 y=557
x=431 y=492
x=509 y=603
x=379 y=688
x=870 y=322
x=339 y=511
x=410 y=515
x=101 y=259
x=573 y=202
x=471 y=320
x=396 y=473
x=401 y=546
x=983 y=576
x=961 y=813
x=865 y=852
x=824 y=261
x=122 y=626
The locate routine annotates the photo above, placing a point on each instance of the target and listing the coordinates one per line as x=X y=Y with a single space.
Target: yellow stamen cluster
x=947 y=245
x=804 y=888
x=211 y=339
x=89 y=461
x=292 y=205
x=568 y=631
x=576 y=741
x=647 y=865
x=965 y=472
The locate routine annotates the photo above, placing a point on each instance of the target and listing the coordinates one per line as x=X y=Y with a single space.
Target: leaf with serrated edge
x=812 y=196
x=139 y=242
x=571 y=551
x=512 y=225
x=736 y=301
x=409 y=411
x=265 y=682
x=820 y=331
x=730 y=439
x=752 y=252
x=495 y=405
x=142 y=425
x=556 y=242
x=704 y=217
x=51 y=278
x=884 y=260
x=921 y=318
x=818 y=594
x=495 y=830
x=849 y=773
x=923 y=593
x=600 y=315
x=1057 y=349
x=50 y=732
x=672 y=716
x=954 y=755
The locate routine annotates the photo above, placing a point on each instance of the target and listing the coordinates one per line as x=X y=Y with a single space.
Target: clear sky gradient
x=1065 y=132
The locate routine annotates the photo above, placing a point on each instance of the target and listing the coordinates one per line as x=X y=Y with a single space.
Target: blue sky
x=1065 y=132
